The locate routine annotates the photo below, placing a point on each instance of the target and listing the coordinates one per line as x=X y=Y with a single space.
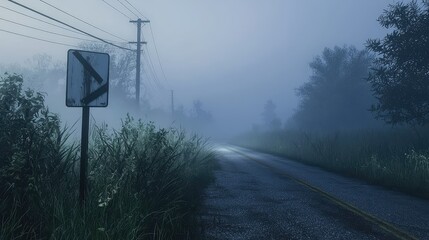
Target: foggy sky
x=231 y=55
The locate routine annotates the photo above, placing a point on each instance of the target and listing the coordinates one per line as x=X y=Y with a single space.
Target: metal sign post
x=87 y=86
x=84 y=155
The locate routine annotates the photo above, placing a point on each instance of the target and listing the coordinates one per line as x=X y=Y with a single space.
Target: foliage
x=32 y=145
x=46 y=75
x=336 y=95
x=161 y=170
x=199 y=114
x=271 y=121
x=198 y=119
x=400 y=80
x=144 y=182
x=122 y=65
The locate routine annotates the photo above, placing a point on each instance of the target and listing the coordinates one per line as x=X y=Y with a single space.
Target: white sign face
x=87 y=79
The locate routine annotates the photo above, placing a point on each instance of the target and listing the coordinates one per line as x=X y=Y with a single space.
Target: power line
x=147 y=84
x=149 y=75
x=116 y=9
x=149 y=61
x=42 y=30
x=81 y=20
x=156 y=50
x=52 y=24
x=40 y=39
x=128 y=8
x=152 y=70
x=40 y=20
x=56 y=20
x=136 y=9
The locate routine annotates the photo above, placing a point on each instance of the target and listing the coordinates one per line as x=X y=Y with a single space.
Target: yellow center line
x=389 y=228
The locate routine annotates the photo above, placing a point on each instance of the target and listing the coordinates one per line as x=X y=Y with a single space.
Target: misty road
x=260 y=196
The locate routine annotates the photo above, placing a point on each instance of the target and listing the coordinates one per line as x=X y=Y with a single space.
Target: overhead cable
x=128 y=8
x=68 y=25
x=149 y=61
x=40 y=39
x=141 y=14
x=42 y=30
x=81 y=20
x=114 y=8
x=40 y=20
x=156 y=50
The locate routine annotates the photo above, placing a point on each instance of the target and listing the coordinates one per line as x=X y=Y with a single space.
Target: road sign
x=87 y=79
x=87 y=86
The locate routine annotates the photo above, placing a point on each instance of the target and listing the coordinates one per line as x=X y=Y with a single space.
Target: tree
x=45 y=73
x=336 y=95
x=400 y=77
x=122 y=67
x=271 y=121
x=199 y=114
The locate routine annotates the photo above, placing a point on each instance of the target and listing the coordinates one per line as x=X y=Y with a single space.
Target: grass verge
x=144 y=182
x=396 y=158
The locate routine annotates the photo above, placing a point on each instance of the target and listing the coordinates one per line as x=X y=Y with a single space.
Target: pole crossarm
x=139 y=20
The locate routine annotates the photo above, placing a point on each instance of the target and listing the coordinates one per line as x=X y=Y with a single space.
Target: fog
x=232 y=56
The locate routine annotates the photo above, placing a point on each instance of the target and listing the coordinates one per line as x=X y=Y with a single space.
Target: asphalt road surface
x=260 y=196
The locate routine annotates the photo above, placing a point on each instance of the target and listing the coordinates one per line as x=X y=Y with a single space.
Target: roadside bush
x=144 y=182
x=155 y=172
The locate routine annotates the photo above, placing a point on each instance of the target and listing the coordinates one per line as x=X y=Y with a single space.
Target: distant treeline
x=386 y=83
x=363 y=113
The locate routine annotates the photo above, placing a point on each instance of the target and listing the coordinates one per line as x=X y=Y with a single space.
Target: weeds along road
x=260 y=196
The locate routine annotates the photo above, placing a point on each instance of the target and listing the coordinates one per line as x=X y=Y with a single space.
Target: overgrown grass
x=397 y=158
x=144 y=182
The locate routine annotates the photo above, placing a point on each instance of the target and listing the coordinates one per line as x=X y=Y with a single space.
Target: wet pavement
x=250 y=200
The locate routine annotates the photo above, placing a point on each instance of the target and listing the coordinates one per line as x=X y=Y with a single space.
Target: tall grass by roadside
x=397 y=158
x=144 y=182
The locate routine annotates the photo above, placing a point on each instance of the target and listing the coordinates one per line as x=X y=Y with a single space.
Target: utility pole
x=172 y=104
x=139 y=43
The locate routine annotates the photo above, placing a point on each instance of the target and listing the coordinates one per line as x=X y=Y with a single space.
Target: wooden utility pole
x=139 y=43
x=172 y=104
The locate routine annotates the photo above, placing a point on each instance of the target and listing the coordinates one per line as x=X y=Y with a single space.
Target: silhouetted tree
x=400 y=80
x=271 y=121
x=336 y=95
x=179 y=114
x=199 y=114
x=122 y=67
x=45 y=73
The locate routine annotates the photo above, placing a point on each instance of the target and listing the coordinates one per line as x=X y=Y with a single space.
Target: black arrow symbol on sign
x=88 y=67
x=94 y=95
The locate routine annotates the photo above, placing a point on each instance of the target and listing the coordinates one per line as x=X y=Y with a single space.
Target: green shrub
x=144 y=182
x=34 y=161
x=150 y=171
